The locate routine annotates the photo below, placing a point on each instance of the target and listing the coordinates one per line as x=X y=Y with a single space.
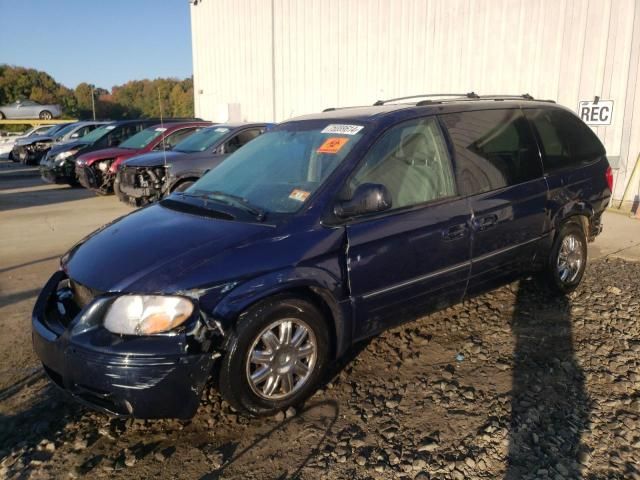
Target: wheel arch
x=321 y=290
x=181 y=180
x=577 y=212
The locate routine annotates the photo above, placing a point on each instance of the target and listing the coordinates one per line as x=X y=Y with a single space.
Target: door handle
x=486 y=222
x=455 y=232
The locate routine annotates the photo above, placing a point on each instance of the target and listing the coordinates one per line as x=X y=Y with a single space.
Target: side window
x=411 y=161
x=176 y=137
x=493 y=149
x=564 y=139
x=242 y=138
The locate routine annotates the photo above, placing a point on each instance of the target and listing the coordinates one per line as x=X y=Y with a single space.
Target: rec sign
x=596 y=112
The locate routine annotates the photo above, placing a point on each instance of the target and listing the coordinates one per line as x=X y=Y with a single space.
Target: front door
x=414 y=257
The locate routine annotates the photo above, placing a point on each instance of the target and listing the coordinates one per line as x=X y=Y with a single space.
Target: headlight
x=146 y=314
x=64 y=155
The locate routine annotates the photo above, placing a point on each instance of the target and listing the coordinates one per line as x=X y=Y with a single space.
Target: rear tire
x=568 y=259
x=45 y=115
x=276 y=356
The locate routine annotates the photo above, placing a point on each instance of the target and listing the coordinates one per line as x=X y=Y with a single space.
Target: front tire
x=568 y=259
x=45 y=115
x=2 y=117
x=276 y=356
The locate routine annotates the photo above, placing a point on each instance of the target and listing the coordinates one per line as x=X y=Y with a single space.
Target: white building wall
x=280 y=58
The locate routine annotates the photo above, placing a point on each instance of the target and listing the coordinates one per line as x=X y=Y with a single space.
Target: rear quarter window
x=493 y=149
x=564 y=139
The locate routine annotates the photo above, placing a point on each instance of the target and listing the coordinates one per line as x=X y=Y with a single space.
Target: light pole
x=93 y=103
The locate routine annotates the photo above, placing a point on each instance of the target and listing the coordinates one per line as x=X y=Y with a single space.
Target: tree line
x=133 y=99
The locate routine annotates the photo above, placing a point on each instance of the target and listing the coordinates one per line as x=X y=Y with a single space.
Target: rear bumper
x=144 y=377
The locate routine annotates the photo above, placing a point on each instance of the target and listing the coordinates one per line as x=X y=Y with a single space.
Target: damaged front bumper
x=141 y=185
x=158 y=376
x=57 y=172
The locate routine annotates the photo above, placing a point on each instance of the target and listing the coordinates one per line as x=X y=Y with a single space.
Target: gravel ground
x=512 y=384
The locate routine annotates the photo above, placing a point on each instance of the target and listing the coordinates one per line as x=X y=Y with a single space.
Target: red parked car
x=97 y=170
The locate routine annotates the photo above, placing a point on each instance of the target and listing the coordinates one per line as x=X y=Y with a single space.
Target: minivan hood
x=155 y=248
x=153 y=159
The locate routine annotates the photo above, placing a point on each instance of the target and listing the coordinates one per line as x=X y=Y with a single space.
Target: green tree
x=136 y=98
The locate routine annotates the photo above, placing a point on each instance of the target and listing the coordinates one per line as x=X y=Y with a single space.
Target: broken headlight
x=62 y=156
x=146 y=314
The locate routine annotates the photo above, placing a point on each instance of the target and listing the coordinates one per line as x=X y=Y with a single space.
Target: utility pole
x=93 y=102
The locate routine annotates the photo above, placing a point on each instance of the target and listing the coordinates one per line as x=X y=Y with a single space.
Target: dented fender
x=326 y=286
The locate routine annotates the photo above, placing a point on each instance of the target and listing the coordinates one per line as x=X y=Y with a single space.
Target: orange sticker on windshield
x=299 y=195
x=332 y=145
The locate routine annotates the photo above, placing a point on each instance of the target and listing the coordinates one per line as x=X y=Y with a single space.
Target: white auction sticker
x=343 y=129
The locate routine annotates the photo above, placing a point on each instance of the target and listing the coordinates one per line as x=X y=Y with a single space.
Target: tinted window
x=493 y=149
x=176 y=137
x=411 y=161
x=565 y=140
x=241 y=139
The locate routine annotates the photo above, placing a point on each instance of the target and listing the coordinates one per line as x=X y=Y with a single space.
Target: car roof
x=234 y=125
x=151 y=121
x=178 y=125
x=375 y=113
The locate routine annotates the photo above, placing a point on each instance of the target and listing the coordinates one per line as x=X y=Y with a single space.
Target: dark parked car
x=58 y=165
x=323 y=231
x=31 y=150
x=97 y=170
x=147 y=178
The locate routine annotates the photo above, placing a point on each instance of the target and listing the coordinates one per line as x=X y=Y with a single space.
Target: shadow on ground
x=27 y=196
x=550 y=407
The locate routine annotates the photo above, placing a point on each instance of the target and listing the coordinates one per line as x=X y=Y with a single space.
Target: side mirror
x=75 y=135
x=368 y=198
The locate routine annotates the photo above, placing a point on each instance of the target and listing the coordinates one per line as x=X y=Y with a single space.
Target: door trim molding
x=406 y=283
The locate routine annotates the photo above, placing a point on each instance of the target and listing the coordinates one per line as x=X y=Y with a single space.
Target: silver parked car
x=7 y=143
x=29 y=109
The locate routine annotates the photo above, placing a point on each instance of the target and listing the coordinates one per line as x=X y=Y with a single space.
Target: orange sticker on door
x=332 y=145
x=299 y=195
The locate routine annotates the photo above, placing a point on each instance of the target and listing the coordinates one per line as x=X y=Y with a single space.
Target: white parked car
x=7 y=143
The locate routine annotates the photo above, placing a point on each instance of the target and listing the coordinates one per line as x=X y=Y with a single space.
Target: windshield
x=143 y=138
x=97 y=134
x=63 y=131
x=202 y=140
x=280 y=169
x=55 y=129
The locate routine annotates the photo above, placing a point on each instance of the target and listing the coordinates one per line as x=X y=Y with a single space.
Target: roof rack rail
x=331 y=109
x=467 y=95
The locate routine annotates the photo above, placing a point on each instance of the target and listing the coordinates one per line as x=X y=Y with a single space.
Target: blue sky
x=105 y=42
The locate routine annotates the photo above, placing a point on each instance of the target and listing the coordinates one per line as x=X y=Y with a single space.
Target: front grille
x=128 y=176
x=65 y=303
x=82 y=295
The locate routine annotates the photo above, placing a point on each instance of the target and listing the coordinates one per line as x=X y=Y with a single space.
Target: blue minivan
x=321 y=232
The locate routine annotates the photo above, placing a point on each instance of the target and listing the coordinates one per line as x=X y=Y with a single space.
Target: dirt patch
x=512 y=384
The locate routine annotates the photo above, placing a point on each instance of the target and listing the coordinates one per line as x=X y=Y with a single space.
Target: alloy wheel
x=281 y=359
x=570 y=258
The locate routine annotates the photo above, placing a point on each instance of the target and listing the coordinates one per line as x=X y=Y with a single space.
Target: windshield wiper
x=256 y=211
x=230 y=199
